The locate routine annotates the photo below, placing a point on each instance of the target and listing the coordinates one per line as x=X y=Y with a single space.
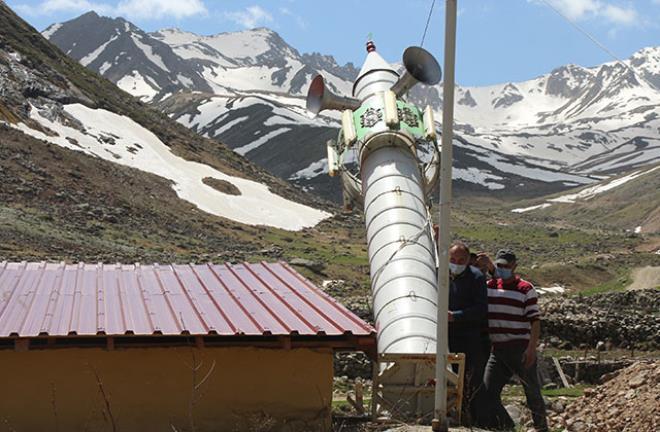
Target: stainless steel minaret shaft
x=393 y=184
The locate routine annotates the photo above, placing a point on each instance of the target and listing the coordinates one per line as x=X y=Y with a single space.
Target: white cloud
x=145 y=9
x=299 y=20
x=51 y=6
x=586 y=9
x=576 y=9
x=251 y=17
x=130 y=9
x=620 y=15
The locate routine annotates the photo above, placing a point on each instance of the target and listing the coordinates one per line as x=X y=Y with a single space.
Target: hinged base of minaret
x=404 y=387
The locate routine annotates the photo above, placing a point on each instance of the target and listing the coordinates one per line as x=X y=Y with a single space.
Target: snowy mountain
x=173 y=60
x=67 y=106
x=586 y=120
x=112 y=47
x=246 y=89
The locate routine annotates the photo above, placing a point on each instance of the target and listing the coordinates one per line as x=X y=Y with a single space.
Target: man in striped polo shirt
x=514 y=326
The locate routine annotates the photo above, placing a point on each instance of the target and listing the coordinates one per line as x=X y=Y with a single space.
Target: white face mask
x=456 y=269
x=504 y=273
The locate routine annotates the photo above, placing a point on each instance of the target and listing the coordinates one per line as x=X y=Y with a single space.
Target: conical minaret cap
x=374 y=62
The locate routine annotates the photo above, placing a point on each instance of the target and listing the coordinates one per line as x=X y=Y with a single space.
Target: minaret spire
x=371 y=46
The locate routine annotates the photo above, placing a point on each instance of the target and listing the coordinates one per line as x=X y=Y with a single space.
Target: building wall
x=151 y=389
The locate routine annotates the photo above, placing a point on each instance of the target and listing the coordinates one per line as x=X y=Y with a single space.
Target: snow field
x=139 y=148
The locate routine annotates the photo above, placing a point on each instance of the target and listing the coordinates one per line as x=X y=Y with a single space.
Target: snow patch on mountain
x=135 y=84
x=231 y=124
x=505 y=165
x=592 y=191
x=480 y=177
x=588 y=192
x=94 y=54
x=149 y=52
x=530 y=208
x=313 y=170
x=104 y=67
x=51 y=29
x=120 y=140
x=243 y=150
x=233 y=45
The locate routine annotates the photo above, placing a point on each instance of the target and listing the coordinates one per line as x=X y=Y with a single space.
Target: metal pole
x=440 y=412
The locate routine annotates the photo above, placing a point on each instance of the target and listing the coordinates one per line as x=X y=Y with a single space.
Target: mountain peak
x=92 y=20
x=567 y=81
x=89 y=15
x=650 y=52
x=265 y=30
x=174 y=30
x=509 y=95
x=647 y=63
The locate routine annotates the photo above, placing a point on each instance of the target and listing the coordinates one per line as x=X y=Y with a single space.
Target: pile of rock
x=622 y=319
x=352 y=365
x=359 y=304
x=628 y=400
x=589 y=370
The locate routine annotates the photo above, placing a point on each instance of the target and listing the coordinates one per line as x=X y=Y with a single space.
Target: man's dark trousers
x=503 y=363
x=468 y=302
x=471 y=343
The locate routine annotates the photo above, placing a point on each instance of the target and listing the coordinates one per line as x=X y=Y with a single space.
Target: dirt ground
x=428 y=429
x=645 y=277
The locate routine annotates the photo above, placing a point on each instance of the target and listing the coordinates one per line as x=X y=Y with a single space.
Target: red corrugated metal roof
x=46 y=299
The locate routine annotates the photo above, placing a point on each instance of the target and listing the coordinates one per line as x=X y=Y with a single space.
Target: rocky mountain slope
x=564 y=129
x=56 y=104
x=89 y=172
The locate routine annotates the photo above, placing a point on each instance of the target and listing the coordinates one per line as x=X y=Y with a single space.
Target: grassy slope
x=552 y=250
x=635 y=203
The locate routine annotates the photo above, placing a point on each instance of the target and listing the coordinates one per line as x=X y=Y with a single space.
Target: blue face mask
x=503 y=273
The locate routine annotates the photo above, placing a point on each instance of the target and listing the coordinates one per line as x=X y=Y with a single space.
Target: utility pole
x=440 y=411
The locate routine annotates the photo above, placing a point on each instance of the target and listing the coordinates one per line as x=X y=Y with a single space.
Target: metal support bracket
x=407 y=397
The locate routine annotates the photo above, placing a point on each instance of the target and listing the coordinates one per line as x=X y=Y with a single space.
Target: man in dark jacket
x=468 y=318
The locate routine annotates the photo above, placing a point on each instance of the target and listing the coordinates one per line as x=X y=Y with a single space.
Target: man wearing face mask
x=468 y=308
x=514 y=326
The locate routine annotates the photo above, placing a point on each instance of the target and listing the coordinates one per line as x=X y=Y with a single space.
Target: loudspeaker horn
x=420 y=66
x=320 y=98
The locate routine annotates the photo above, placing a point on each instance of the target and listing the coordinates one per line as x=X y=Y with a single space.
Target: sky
x=497 y=40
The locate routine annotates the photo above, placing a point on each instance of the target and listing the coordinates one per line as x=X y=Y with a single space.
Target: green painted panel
x=370 y=118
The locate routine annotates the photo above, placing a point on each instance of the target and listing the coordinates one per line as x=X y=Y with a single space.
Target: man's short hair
x=459 y=244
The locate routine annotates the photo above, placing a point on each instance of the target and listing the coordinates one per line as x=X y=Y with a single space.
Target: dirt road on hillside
x=645 y=277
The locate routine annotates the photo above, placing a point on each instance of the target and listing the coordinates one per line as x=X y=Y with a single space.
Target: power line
x=595 y=41
x=428 y=20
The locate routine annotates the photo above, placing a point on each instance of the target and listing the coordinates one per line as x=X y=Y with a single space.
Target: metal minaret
x=387 y=137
